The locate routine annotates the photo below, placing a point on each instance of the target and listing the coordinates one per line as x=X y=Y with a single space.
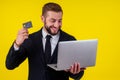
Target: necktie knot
x=48 y=37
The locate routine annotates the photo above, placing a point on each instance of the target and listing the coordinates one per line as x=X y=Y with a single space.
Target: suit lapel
x=40 y=45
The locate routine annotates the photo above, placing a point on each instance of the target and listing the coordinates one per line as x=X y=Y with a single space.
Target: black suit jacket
x=32 y=49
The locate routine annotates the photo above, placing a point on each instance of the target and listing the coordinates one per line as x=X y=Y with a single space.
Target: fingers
x=23 y=31
x=24 y=35
x=21 y=36
x=72 y=69
x=67 y=70
x=75 y=68
x=78 y=68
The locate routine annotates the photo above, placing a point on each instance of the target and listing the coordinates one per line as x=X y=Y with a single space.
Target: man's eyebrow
x=60 y=19
x=55 y=19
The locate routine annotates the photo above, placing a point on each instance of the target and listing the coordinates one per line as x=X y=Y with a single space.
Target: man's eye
x=59 y=21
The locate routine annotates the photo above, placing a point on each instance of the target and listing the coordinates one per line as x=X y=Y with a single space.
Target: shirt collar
x=44 y=34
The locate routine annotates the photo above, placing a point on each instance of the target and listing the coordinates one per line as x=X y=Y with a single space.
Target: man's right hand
x=21 y=36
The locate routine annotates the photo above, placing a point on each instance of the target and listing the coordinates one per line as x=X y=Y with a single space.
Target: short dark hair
x=51 y=7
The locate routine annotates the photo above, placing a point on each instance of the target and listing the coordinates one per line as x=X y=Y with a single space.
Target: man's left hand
x=75 y=68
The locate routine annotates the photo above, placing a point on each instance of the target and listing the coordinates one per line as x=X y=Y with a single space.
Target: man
x=33 y=47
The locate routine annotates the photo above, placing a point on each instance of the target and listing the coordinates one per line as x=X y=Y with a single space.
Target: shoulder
x=66 y=36
x=36 y=34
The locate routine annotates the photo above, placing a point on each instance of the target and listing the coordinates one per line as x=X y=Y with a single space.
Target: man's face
x=52 y=22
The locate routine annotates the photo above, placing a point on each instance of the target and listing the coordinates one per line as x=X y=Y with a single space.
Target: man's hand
x=21 y=36
x=75 y=68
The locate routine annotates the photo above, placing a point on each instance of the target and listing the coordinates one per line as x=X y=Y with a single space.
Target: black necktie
x=48 y=48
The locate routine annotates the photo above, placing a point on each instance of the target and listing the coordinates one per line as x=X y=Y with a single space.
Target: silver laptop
x=69 y=52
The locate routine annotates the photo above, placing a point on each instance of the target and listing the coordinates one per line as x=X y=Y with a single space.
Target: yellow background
x=84 y=19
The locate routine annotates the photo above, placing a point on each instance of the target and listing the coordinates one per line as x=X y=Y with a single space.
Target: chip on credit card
x=27 y=24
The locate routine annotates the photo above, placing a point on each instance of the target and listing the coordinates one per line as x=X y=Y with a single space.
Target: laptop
x=69 y=52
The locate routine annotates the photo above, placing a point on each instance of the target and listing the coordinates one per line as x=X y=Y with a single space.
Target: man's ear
x=43 y=19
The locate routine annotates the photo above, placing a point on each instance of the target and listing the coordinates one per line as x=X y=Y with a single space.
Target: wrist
x=16 y=44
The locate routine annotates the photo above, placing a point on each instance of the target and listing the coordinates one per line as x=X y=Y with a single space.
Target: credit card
x=27 y=24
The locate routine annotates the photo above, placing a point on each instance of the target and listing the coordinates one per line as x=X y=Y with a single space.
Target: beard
x=48 y=29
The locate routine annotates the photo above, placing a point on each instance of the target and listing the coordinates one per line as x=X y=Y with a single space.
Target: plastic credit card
x=27 y=24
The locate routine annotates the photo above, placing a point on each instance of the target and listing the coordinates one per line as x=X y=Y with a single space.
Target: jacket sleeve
x=77 y=76
x=14 y=58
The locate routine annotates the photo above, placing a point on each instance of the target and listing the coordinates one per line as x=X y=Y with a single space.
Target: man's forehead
x=53 y=14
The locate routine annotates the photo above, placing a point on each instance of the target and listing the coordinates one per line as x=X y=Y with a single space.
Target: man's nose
x=57 y=24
